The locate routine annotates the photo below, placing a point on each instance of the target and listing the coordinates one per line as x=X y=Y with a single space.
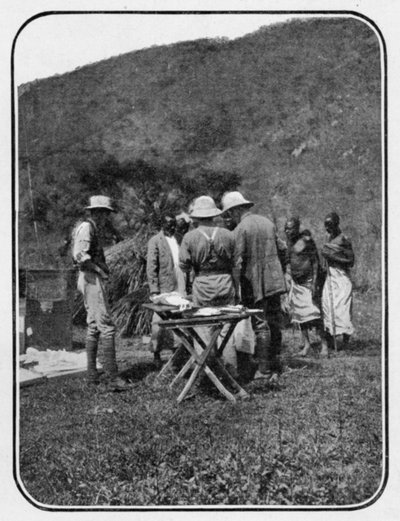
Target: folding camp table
x=184 y=324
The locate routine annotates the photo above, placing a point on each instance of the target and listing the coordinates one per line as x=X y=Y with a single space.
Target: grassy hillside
x=294 y=110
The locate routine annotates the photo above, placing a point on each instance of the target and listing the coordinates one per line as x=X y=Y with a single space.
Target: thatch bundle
x=127 y=287
x=127 y=263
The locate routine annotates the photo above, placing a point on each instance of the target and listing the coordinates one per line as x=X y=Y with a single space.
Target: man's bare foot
x=324 y=351
x=305 y=350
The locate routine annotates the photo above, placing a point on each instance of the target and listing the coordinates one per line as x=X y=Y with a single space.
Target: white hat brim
x=101 y=207
x=247 y=204
x=206 y=213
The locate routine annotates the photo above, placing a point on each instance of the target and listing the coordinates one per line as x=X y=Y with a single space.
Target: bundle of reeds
x=130 y=317
x=127 y=263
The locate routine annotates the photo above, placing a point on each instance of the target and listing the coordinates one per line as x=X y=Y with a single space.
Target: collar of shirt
x=174 y=247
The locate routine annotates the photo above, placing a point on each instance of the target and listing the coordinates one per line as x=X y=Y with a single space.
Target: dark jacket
x=257 y=258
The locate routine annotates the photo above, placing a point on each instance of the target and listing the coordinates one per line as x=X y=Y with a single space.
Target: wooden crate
x=49 y=295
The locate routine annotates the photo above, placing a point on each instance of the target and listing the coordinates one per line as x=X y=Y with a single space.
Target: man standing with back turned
x=261 y=277
x=209 y=251
x=89 y=257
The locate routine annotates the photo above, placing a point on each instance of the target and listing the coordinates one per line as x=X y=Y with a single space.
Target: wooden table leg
x=168 y=365
x=186 y=344
x=189 y=364
x=240 y=391
x=218 y=384
x=200 y=361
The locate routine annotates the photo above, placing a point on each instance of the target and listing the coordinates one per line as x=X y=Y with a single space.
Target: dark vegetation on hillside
x=293 y=111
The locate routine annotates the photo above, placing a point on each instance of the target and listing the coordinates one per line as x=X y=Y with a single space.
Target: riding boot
x=275 y=345
x=261 y=350
x=115 y=382
x=247 y=366
x=110 y=363
x=91 y=353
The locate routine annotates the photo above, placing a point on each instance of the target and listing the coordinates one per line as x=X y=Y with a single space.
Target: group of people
x=319 y=286
x=227 y=256
x=232 y=256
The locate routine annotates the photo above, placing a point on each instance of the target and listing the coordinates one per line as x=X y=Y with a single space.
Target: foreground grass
x=316 y=440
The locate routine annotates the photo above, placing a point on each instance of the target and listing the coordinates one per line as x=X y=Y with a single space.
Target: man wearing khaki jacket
x=88 y=256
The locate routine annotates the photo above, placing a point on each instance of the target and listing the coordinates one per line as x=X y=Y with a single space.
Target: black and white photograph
x=199 y=259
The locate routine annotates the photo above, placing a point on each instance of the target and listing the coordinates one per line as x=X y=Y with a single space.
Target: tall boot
x=115 y=382
x=110 y=363
x=275 y=345
x=267 y=354
x=247 y=366
x=261 y=350
x=91 y=353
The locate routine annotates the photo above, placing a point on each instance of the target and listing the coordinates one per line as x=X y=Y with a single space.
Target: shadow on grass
x=139 y=371
x=296 y=362
x=78 y=345
x=262 y=387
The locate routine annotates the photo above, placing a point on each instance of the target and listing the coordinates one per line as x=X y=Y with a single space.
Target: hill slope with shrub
x=292 y=111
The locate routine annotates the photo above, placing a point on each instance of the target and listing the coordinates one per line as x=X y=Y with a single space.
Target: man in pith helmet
x=261 y=277
x=209 y=251
x=88 y=256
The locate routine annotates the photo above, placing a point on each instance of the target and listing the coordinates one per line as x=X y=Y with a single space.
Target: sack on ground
x=244 y=337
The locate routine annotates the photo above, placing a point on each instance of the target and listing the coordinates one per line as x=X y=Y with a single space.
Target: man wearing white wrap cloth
x=88 y=255
x=302 y=269
x=337 y=292
x=210 y=251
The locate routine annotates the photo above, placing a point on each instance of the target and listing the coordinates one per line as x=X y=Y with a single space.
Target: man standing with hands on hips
x=89 y=257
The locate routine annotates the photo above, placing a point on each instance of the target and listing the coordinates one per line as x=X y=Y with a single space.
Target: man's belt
x=203 y=273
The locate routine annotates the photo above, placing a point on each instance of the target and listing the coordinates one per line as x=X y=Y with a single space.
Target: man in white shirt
x=164 y=276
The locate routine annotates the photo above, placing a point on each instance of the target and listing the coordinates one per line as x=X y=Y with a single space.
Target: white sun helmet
x=234 y=199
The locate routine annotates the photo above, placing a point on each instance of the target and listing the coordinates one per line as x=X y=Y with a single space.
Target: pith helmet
x=100 y=201
x=233 y=199
x=203 y=207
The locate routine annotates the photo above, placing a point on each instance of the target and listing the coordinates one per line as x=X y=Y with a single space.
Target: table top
x=173 y=316
x=161 y=307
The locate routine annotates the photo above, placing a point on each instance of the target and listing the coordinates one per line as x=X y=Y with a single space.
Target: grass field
x=316 y=439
